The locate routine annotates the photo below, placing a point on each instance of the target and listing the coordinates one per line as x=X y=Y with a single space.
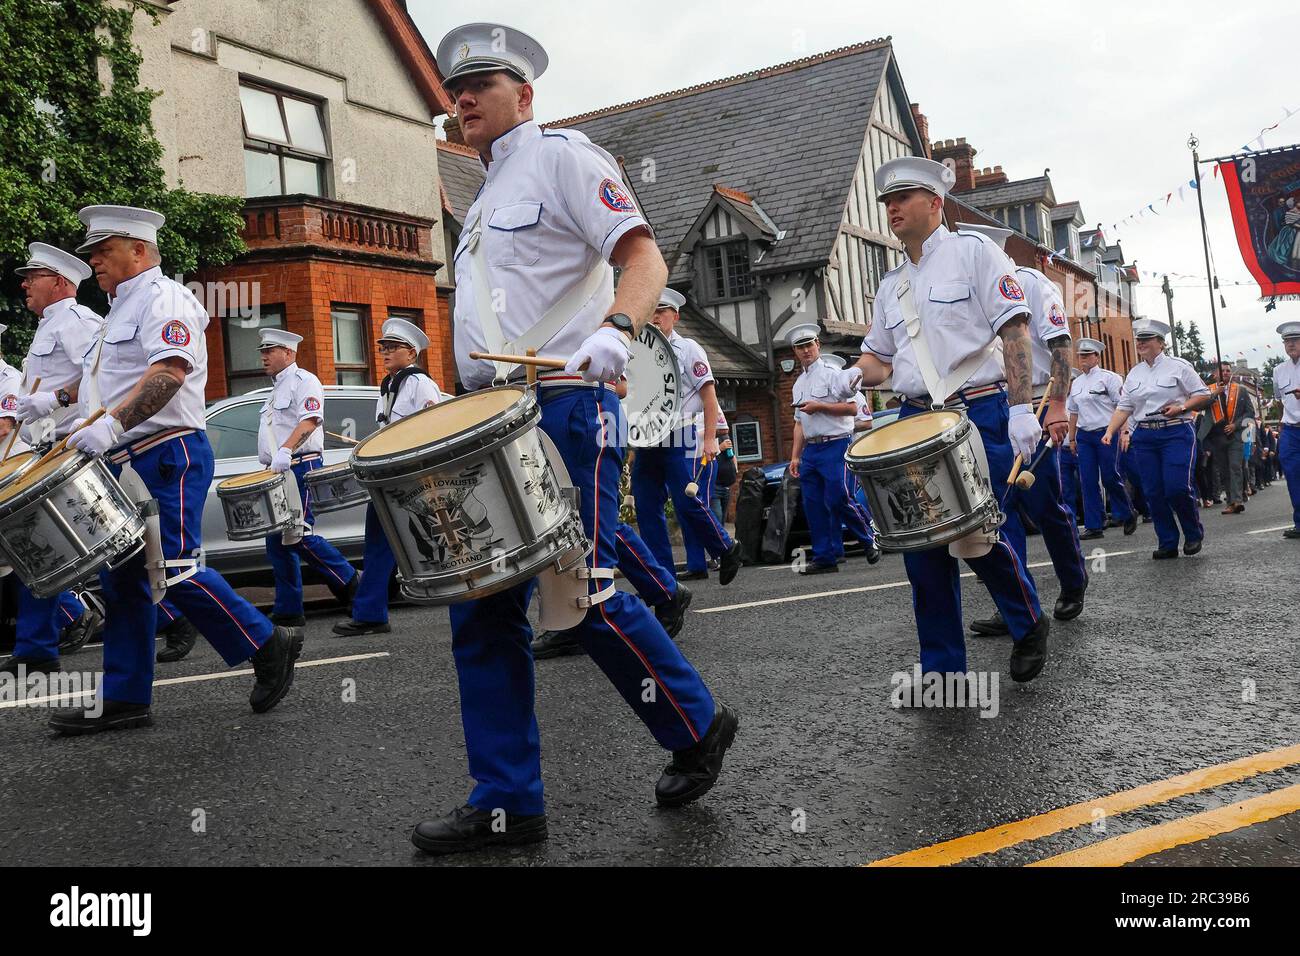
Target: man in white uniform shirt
x=1093 y=398
x=1286 y=387
x=290 y=438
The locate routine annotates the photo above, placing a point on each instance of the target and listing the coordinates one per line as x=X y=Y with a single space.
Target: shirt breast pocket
x=513 y=236
x=123 y=350
x=949 y=302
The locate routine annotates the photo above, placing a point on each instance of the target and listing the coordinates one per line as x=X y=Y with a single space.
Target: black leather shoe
x=1029 y=654
x=730 y=564
x=73 y=721
x=1092 y=535
x=273 y=667
x=993 y=626
x=1164 y=554
x=469 y=828
x=48 y=665
x=671 y=614
x=1130 y=525
x=873 y=554
x=1193 y=547
x=693 y=576
x=180 y=635
x=820 y=569
x=289 y=620
x=550 y=644
x=75 y=636
x=1068 y=606
x=356 y=628
x=693 y=772
x=1292 y=533
x=345 y=594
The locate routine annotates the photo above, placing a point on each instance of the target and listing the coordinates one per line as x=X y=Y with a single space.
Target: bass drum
x=654 y=396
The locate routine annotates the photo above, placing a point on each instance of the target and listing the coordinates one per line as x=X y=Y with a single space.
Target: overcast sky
x=1103 y=94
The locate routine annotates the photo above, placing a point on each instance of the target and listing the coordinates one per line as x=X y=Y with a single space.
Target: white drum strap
x=93 y=399
x=599 y=574
x=939 y=387
x=545 y=329
x=155 y=564
x=292 y=533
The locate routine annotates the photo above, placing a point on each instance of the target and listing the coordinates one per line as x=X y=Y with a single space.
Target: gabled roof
x=728 y=356
x=1011 y=194
x=789 y=136
x=462 y=174
x=1071 y=211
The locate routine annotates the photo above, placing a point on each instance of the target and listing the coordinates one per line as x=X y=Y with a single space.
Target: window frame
x=232 y=375
x=281 y=151
x=758 y=439
x=703 y=270
x=363 y=312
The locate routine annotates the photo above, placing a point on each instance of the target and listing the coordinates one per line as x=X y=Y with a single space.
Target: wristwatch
x=63 y=397
x=623 y=323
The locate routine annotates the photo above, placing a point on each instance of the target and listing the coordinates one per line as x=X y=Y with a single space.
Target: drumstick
x=692 y=486
x=524 y=360
x=14 y=437
x=1042 y=406
x=64 y=443
x=1025 y=480
x=338 y=437
x=530 y=371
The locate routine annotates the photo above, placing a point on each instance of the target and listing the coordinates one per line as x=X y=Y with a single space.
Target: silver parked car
x=232 y=430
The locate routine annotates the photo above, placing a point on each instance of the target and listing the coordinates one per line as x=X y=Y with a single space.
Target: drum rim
x=955 y=527
x=60 y=583
x=915 y=452
x=266 y=484
x=676 y=420
x=20 y=469
x=71 y=465
x=325 y=472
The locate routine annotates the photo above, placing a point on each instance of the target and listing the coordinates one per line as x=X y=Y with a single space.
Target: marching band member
x=956 y=293
x=1163 y=394
x=825 y=411
x=1050 y=342
x=291 y=437
x=1286 y=386
x=45 y=626
x=1093 y=398
x=660 y=472
x=406 y=389
x=551 y=216
x=148 y=368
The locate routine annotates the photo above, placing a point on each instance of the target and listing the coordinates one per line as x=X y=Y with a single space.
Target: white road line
x=194 y=679
x=869 y=587
x=1281 y=527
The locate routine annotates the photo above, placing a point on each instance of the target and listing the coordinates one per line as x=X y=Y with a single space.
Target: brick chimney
x=960 y=156
x=922 y=126
x=990 y=177
x=451 y=127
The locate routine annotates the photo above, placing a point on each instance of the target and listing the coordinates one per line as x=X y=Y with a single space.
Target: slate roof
x=788 y=135
x=1011 y=194
x=1067 y=210
x=462 y=174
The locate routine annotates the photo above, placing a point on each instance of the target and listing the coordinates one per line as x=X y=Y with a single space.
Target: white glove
x=1025 y=431
x=281 y=460
x=97 y=438
x=606 y=351
x=36 y=405
x=263 y=459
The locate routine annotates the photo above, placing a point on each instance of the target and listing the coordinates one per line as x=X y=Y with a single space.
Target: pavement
x=1165 y=730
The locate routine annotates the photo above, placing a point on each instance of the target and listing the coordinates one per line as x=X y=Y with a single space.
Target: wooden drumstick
x=1042 y=407
x=57 y=449
x=530 y=371
x=337 y=437
x=524 y=360
x=692 y=486
x=1025 y=480
x=14 y=437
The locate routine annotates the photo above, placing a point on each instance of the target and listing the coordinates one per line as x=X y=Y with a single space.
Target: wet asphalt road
x=1147 y=684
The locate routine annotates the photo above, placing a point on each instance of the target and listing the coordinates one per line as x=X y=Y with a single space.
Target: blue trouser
x=1043 y=504
x=167 y=614
x=652 y=581
x=370 y=605
x=40 y=620
x=491 y=638
x=1098 y=467
x=1288 y=456
x=1129 y=469
x=936 y=575
x=658 y=473
x=317 y=551
x=177 y=473
x=829 y=504
x=1069 y=468
x=1166 y=461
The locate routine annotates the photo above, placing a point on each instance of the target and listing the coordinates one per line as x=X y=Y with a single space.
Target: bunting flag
x=1264 y=195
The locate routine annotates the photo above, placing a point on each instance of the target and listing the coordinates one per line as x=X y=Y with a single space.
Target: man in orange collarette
x=1230 y=410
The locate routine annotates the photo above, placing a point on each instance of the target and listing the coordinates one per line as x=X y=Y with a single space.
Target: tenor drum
x=256 y=505
x=15 y=465
x=653 y=398
x=927 y=480
x=334 y=488
x=468 y=498
x=63 y=521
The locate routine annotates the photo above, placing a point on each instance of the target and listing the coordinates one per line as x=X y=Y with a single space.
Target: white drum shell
x=652 y=408
x=334 y=488
x=257 y=510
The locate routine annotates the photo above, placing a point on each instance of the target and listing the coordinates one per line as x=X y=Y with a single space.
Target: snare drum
x=15 y=465
x=334 y=488
x=468 y=498
x=256 y=505
x=65 y=520
x=927 y=479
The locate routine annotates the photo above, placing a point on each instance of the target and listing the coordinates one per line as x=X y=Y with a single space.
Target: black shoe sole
x=368 y=629
x=80 y=729
x=520 y=836
x=558 y=650
x=674 y=626
x=1190 y=550
x=727 y=738
x=295 y=649
x=980 y=629
x=281 y=620
x=164 y=657
x=727 y=570
x=1068 y=615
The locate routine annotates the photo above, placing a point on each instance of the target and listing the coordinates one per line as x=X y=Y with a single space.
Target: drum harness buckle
x=155 y=564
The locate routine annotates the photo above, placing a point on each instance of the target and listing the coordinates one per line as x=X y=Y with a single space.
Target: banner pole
x=1192 y=143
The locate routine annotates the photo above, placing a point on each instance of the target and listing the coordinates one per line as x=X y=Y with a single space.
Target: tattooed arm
x=161 y=380
x=301 y=433
x=1055 y=419
x=1019 y=360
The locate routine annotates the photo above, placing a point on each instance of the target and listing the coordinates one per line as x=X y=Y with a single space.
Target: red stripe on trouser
x=704 y=503
x=853 y=500
x=654 y=577
x=185 y=449
x=1020 y=576
x=695 y=736
x=217 y=601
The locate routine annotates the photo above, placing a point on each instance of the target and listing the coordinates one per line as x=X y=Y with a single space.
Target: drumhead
x=440 y=422
x=904 y=433
x=252 y=478
x=327 y=472
x=34 y=475
x=13 y=463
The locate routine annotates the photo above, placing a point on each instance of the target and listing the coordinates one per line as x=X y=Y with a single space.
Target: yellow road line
x=1120 y=850
x=1066 y=818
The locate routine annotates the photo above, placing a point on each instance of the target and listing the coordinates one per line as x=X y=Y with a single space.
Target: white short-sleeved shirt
x=864 y=409
x=965 y=290
x=693 y=364
x=1093 y=397
x=1286 y=378
x=1048 y=320
x=1150 y=388
x=552 y=208
x=296 y=396
x=66 y=330
x=823 y=382
x=10 y=382
x=417 y=392
x=151 y=318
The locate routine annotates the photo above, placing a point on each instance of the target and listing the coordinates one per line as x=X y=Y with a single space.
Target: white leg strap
x=596 y=574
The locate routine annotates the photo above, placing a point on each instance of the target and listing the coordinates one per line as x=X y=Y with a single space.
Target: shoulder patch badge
x=175 y=333
x=1056 y=316
x=10 y=403
x=700 y=369
x=311 y=403
x=615 y=197
x=1010 y=289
